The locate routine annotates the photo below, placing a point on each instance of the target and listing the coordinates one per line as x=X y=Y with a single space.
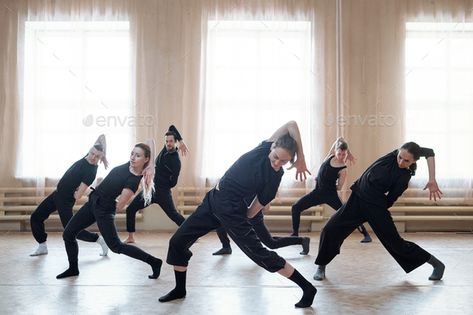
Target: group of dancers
x=235 y=207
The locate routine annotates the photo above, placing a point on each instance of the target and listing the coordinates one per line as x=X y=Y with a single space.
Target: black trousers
x=356 y=211
x=55 y=202
x=272 y=242
x=96 y=210
x=314 y=198
x=217 y=210
x=163 y=198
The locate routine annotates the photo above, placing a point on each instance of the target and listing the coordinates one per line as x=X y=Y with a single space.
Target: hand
x=183 y=148
x=434 y=190
x=301 y=168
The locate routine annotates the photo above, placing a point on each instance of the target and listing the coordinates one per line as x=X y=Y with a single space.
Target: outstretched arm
x=102 y=142
x=292 y=129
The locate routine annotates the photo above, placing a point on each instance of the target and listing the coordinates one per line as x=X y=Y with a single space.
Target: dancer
x=272 y=242
x=254 y=176
x=70 y=188
x=368 y=203
x=330 y=179
x=168 y=166
x=121 y=182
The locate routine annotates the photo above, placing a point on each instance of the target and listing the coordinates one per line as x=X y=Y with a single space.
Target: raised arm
x=350 y=157
x=103 y=143
x=293 y=130
x=181 y=144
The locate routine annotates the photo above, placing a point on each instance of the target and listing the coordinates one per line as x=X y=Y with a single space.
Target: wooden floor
x=364 y=279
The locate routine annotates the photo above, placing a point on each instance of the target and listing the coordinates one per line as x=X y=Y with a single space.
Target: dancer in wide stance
x=330 y=179
x=369 y=203
x=167 y=166
x=70 y=188
x=254 y=176
x=121 y=182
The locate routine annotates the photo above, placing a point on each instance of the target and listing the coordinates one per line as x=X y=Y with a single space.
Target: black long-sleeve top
x=167 y=165
x=384 y=181
x=252 y=175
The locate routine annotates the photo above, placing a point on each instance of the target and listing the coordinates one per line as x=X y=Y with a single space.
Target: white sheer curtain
x=70 y=68
x=77 y=85
x=438 y=76
x=262 y=65
x=439 y=72
x=257 y=78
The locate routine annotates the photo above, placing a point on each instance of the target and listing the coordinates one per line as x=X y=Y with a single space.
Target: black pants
x=356 y=211
x=314 y=198
x=263 y=234
x=95 y=210
x=64 y=208
x=216 y=210
x=163 y=198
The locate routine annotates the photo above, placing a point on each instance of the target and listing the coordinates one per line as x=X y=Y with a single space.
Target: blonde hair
x=148 y=189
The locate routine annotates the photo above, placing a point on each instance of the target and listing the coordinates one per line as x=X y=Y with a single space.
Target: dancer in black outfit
x=369 y=203
x=254 y=176
x=168 y=166
x=122 y=182
x=272 y=242
x=71 y=187
x=330 y=179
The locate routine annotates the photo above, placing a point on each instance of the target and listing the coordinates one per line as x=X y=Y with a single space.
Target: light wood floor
x=364 y=279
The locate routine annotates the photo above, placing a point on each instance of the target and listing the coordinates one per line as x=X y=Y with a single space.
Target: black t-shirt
x=119 y=178
x=252 y=175
x=80 y=172
x=385 y=176
x=328 y=175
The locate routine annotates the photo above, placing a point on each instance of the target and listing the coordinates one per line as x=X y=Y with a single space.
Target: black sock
x=439 y=268
x=156 y=264
x=72 y=271
x=308 y=289
x=179 y=291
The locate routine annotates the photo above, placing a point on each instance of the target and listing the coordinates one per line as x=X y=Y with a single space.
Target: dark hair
x=170 y=133
x=413 y=148
x=341 y=144
x=288 y=143
x=98 y=147
x=146 y=149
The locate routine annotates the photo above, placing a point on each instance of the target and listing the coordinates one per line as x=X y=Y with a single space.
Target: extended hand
x=434 y=189
x=301 y=168
x=183 y=148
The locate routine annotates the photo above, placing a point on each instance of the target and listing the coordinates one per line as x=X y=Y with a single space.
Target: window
x=77 y=85
x=439 y=114
x=258 y=76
